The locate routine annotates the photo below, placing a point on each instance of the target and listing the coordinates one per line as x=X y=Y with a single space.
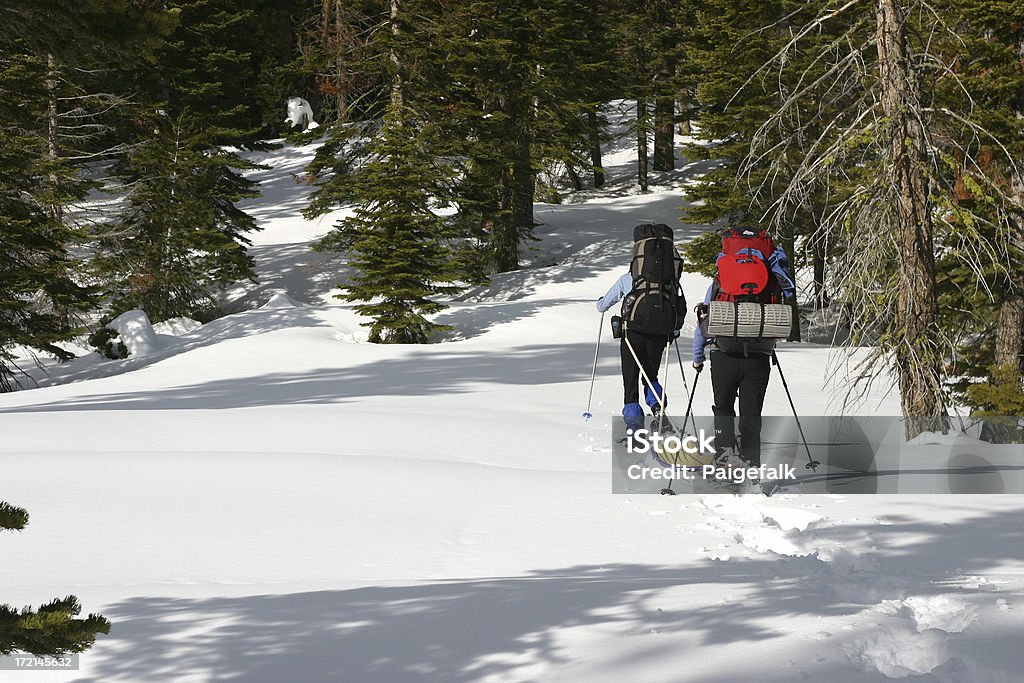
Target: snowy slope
x=268 y=497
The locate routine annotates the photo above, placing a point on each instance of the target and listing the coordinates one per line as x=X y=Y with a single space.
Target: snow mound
x=943 y=612
x=175 y=327
x=281 y=300
x=136 y=332
x=900 y=651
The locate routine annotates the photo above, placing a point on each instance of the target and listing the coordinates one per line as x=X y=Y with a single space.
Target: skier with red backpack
x=746 y=310
x=653 y=308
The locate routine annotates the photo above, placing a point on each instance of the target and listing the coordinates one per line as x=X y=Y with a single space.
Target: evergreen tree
x=352 y=68
x=58 y=110
x=731 y=108
x=402 y=251
x=208 y=68
x=339 y=48
x=83 y=52
x=37 y=285
x=891 y=145
x=653 y=68
x=984 y=195
x=181 y=236
x=521 y=86
x=736 y=95
x=510 y=85
x=276 y=46
x=52 y=629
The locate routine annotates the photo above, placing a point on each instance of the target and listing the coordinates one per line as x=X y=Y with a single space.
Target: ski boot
x=633 y=416
x=661 y=424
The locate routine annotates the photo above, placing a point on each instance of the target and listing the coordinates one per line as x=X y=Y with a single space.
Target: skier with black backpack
x=747 y=309
x=653 y=308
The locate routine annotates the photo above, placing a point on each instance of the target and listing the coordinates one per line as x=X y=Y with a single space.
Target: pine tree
x=59 y=109
x=181 y=236
x=510 y=85
x=892 y=146
x=985 y=194
x=650 y=37
x=339 y=47
x=52 y=629
x=402 y=251
x=735 y=96
x=209 y=69
x=276 y=48
x=349 y=56
x=518 y=89
x=731 y=108
x=38 y=289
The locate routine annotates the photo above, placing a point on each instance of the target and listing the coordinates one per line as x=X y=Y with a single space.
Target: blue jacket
x=621 y=288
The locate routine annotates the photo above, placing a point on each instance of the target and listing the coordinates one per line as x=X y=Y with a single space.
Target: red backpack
x=743 y=270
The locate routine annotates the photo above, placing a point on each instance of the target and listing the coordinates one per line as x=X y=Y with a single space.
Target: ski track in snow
x=903 y=633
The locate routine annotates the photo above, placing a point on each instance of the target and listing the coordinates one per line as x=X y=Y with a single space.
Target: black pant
x=747 y=376
x=648 y=349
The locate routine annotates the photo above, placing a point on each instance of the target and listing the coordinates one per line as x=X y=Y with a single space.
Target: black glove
x=698 y=366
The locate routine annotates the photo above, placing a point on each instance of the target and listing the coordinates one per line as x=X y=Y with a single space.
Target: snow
x=267 y=497
x=176 y=327
x=136 y=332
x=300 y=114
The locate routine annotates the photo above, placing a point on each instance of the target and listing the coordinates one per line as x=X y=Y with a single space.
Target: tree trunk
x=683 y=113
x=504 y=237
x=916 y=356
x=664 y=121
x=574 y=177
x=1010 y=334
x=515 y=220
x=334 y=38
x=55 y=209
x=342 y=37
x=821 y=299
x=523 y=188
x=818 y=263
x=593 y=124
x=641 y=143
x=664 y=134
x=1010 y=329
x=789 y=246
x=397 y=87
x=52 y=131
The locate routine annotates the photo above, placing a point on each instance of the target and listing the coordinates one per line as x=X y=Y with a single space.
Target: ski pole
x=812 y=464
x=593 y=376
x=689 y=405
x=661 y=401
x=686 y=386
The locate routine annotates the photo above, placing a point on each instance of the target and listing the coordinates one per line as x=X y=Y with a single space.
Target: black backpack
x=656 y=304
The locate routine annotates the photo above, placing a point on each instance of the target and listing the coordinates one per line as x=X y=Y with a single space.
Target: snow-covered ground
x=268 y=498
